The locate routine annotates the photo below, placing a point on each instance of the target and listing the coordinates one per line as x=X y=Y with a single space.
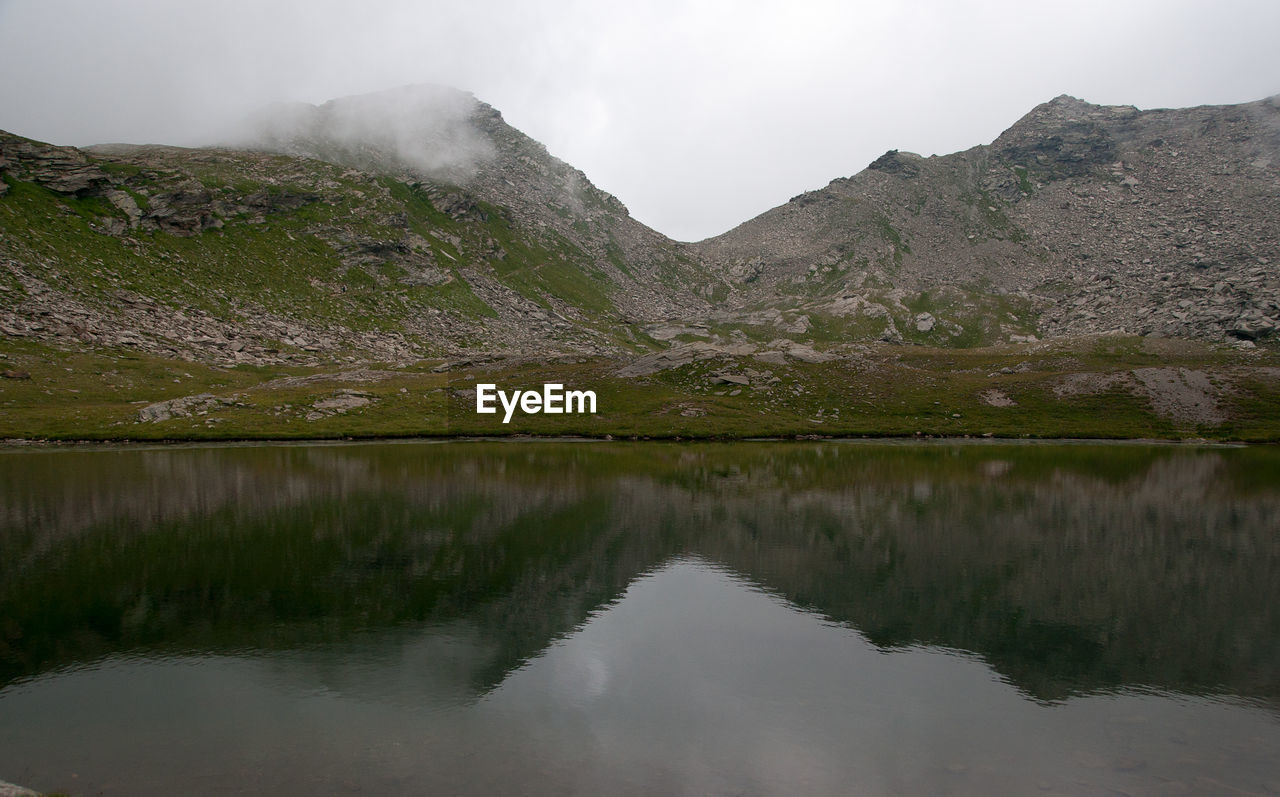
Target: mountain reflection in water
x=767 y=618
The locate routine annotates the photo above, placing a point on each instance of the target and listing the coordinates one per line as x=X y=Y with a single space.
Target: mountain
x=364 y=241
x=1078 y=219
x=415 y=229
x=450 y=138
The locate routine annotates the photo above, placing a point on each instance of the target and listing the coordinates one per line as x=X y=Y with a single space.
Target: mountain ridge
x=977 y=226
x=1089 y=258
x=1003 y=213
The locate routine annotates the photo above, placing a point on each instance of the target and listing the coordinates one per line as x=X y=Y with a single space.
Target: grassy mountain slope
x=250 y=257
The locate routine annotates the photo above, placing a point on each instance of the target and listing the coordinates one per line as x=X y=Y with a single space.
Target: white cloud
x=696 y=114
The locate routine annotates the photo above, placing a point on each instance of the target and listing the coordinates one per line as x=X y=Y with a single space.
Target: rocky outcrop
x=65 y=170
x=906 y=164
x=1065 y=137
x=183 y=407
x=339 y=403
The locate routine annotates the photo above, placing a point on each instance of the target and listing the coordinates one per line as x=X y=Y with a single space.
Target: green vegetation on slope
x=236 y=235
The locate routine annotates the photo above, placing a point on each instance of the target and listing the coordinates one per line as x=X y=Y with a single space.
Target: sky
x=697 y=114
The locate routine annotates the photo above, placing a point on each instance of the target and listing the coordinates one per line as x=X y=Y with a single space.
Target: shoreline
x=21 y=444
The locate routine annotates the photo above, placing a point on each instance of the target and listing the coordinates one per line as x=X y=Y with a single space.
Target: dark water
x=553 y=618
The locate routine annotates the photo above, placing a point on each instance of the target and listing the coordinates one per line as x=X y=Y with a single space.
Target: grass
x=982 y=318
x=544 y=268
x=893 y=236
x=1024 y=184
x=549 y=269
x=826 y=328
x=890 y=391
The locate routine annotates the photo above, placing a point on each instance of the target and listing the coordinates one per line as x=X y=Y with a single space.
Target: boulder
x=771 y=357
x=808 y=354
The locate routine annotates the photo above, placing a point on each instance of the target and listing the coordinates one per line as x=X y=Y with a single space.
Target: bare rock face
x=808 y=354
x=674 y=357
x=340 y=403
x=183 y=407
x=1182 y=394
x=905 y=164
x=1179 y=394
x=1065 y=137
x=65 y=170
x=997 y=398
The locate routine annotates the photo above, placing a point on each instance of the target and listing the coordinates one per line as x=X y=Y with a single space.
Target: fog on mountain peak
x=427 y=129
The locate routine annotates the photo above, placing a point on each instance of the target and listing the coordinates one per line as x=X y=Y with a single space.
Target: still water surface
x=551 y=618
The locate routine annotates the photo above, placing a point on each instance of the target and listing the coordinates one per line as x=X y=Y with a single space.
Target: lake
x=641 y=618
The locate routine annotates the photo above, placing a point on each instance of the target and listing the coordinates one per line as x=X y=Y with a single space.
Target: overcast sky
x=697 y=115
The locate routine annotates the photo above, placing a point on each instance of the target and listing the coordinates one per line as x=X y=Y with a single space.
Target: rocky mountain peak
x=1064 y=137
x=906 y=164
x=443 y=135
x=446 y=137
x=1066 y=108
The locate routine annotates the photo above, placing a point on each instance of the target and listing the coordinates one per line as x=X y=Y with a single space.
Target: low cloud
x=696 y=115
x=426 y=129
